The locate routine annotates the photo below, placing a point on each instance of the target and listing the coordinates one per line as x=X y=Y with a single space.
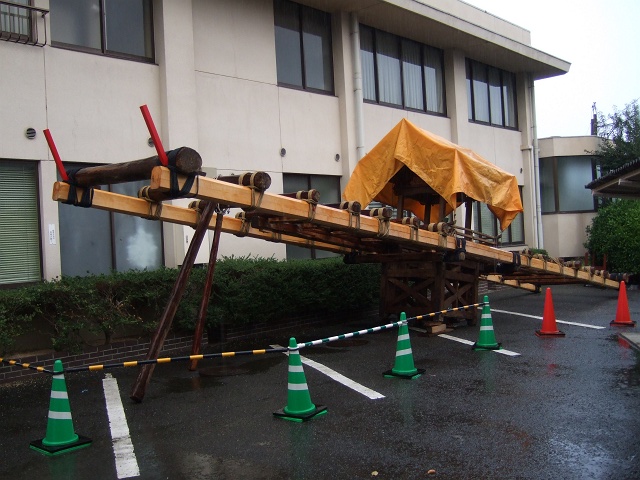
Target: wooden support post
x=140 y=386
x=206 y=294
x=443 y=209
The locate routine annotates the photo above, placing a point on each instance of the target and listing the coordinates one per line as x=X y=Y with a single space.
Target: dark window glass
x=116 y=27
x=94 y=242
x=491 y=95
x=412 y=75
x=402 y=72
x=388 y=60
x=329 y=188
x=486 y=222
x=367 y=52
x=303 y=46
x=124 y=19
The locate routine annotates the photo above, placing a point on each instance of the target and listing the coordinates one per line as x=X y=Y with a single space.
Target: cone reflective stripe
x=623 y=316
x=404 y=366
x=299 y=406
x=60 y=437
x=549 y=327
x=486 y=337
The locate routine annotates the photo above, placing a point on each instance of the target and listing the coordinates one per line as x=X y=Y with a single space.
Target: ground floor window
x=94 y=242
x=329 y=188
x=486 y=222
x=19 y=223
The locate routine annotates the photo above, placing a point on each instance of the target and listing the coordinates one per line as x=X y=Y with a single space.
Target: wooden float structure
x=427 y=263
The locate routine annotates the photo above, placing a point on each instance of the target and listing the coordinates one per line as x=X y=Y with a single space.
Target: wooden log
x=185 y=159
x=353 y=206
x=312 y=195
x=258 y=180
x=164 y=324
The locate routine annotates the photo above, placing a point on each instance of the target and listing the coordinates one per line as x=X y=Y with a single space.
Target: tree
x=620 y=132
x=615 y=230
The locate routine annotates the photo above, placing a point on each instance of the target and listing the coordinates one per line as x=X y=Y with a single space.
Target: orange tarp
x=446 y=167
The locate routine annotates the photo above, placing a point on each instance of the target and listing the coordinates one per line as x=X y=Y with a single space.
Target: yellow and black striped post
x=60 y=437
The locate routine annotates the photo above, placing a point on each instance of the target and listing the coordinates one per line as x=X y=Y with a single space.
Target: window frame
x=112 y=233
x=309 y=177
x=474 y=68
x=495 y=224
x=301 y=14
x=556 y=195
x=374 y=32
x=103 y=50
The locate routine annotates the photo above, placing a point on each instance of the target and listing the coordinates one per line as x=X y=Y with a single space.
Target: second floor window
x=491 y=95
x=303 y=47
x=562 y=181
x=15 y=22
x=122 y=28
x=400 y=72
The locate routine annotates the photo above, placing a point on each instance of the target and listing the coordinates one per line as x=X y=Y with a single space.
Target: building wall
x=565 y=233
x=214 y=87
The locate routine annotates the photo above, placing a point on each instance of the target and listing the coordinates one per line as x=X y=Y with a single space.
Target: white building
x=299 y=90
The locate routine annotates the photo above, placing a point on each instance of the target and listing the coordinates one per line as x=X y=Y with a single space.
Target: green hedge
x=244 y=290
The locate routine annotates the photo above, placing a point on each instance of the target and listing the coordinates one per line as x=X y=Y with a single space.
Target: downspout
x=536 y=169
x=358 y=97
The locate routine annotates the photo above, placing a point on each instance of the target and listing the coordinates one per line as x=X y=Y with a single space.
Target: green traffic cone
x=299 y=406
x=60 y=437
x=404 y=367
x=486 y=338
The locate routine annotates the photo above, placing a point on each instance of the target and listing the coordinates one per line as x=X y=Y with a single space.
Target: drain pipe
x=358 y=97
x=536 y=168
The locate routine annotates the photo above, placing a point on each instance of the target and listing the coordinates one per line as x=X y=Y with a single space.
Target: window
x=487 y=222
x=562 y=181
x=329 y=188
x=400 y=72
x=491 y=95
x=303 y=47
x=15 y=22
x=94 y=242
x=19 y=223
x=121 y=28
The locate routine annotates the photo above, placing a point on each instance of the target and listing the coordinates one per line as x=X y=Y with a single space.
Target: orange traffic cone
x=623 y=318
x=549 y=328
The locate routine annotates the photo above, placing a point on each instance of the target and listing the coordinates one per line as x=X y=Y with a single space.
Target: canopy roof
x=444 y=166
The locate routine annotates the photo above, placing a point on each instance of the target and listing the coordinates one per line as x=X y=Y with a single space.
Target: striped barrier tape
x=383 y=327
x=135 y=363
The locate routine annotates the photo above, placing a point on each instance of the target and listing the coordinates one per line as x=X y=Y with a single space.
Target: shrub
x=244 y=289
x=615 y=230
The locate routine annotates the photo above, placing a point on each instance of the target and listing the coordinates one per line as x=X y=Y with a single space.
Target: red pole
x=56 y=155
x=154 y=135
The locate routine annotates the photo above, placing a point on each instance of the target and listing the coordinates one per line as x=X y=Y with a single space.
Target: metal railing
x=23 y=23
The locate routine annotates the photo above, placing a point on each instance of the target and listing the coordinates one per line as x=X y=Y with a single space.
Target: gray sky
x=601 y=40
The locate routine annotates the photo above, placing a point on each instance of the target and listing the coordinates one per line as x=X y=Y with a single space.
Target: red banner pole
x=56 y=155
x=154 y=135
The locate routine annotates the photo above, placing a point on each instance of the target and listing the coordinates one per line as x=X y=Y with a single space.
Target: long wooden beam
x=238 y=196
x=115 y=202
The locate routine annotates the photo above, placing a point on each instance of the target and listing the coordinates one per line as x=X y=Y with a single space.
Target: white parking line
x=126 y=463
x=469 y=342
x=557 y=321
x=338 y=377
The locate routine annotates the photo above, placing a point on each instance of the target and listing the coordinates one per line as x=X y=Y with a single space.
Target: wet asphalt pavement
x=566 y=408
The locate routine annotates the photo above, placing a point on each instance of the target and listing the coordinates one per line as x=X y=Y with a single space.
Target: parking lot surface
x=564 y=407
